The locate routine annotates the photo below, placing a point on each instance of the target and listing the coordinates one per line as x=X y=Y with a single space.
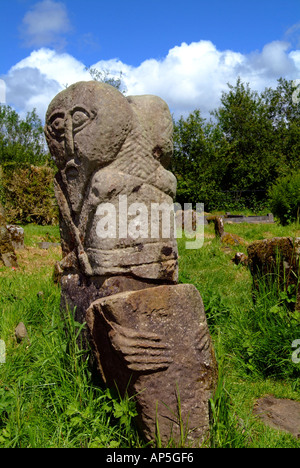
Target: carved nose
x=69 y=140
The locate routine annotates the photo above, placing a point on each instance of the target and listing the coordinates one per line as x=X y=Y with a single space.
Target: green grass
x=48 y=399
x=253 y=339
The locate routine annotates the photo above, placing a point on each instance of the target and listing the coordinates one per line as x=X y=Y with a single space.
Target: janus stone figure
x=148 y=334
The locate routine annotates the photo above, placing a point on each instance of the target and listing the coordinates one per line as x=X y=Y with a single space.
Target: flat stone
x=281 y=414
x=47 y=245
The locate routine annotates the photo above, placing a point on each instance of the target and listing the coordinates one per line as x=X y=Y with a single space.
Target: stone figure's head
x=156 y=121
x=86 y=126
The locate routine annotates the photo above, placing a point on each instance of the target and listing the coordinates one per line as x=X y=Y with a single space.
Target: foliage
x=230 y=162
x=28 y=195
x=105 y=76
x=21 y=140
x=26 y=190
x=252 y=338
x=225 y=430
x=248 y=133
x=189 y=152
x=284 y=114
x=47 y=395
x=256 y=334
x=284 y=198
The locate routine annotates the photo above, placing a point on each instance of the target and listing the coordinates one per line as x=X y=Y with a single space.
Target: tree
x=244 y=121
x=105 y=76
x=285 y=198
x=231 y=162
x=21 y=140
x=253 y=159
x=284 y=112
x=196 y=161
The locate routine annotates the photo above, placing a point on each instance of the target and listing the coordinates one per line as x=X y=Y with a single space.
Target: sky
x=185 y=51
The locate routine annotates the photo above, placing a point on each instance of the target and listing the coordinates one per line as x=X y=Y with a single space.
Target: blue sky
x=184 y=51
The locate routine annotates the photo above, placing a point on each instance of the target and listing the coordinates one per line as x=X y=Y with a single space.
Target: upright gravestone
x=276 y=262
x=149 y=335
x=7 y=253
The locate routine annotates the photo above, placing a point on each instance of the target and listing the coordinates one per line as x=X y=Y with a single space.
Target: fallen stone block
x=226 y=238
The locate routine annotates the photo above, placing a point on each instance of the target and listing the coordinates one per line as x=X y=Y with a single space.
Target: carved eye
x=57 y=125
x=80 y=119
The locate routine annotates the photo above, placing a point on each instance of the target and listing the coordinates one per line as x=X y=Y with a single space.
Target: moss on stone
x=278 y=260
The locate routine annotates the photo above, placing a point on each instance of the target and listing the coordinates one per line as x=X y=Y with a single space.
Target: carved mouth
x=71 y=171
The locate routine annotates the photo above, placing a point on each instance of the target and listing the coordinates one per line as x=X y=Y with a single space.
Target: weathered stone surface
x=80 y=291
x=21 y=333
x=47 y=245
x=227 y=238
x=277 y=260
x=240 y=258
x=280 y=414
x=268 y=219
x=17 y=236
x=109 y=151
x=117 y=224
x=156 y=343
x=7 y=253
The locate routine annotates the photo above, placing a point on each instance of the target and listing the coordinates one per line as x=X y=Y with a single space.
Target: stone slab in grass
x=281 y=414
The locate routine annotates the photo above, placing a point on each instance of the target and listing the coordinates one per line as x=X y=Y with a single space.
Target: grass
x=253 y=340
x=47 y=398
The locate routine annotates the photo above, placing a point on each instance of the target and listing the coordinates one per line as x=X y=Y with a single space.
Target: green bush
x=284 y=198
x=28 y=196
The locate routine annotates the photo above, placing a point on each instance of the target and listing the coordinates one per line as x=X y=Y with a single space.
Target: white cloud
x=45 y=24
x=34 y=81
x=27 y=88
x=60 y=67
x=194 y=75
x=274 y=61
x=190 y=76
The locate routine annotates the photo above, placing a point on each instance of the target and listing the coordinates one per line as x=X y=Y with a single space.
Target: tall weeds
x=47 y=398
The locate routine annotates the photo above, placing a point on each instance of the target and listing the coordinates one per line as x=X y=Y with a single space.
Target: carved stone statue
x=120 y=267
x=105 y=147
